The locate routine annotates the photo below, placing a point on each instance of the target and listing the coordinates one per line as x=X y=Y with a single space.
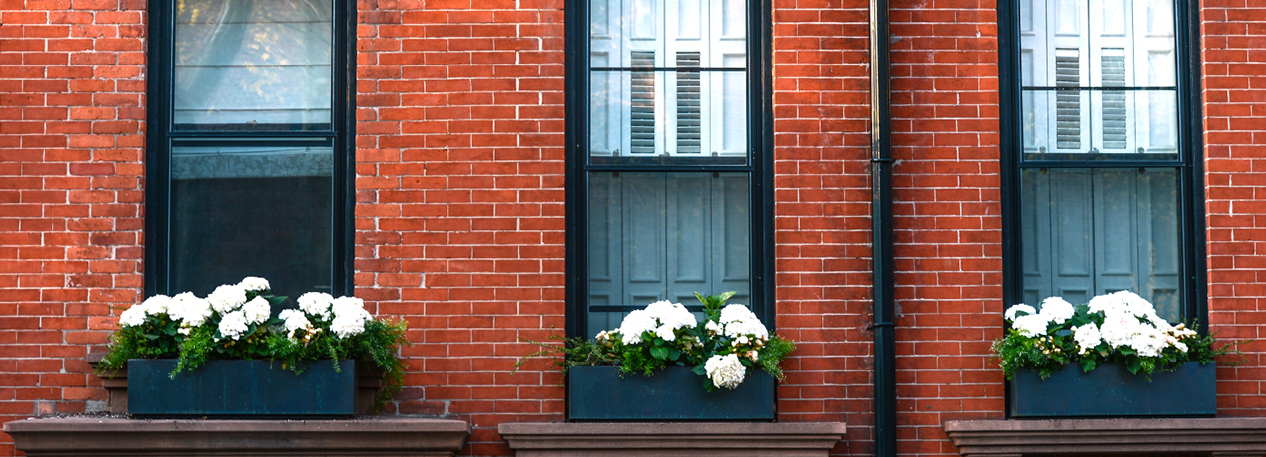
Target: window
x=666 y=116
x=1102 y=163
x=247 y=158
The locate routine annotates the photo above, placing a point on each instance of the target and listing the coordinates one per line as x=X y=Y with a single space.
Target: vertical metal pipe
x=881 y=234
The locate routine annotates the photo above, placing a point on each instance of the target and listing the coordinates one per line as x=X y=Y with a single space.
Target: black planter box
x=1111 y=391
x=241 y=388
x=673 y=394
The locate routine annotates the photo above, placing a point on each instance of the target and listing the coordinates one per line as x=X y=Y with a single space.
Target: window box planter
x=241 y=388
x=1111 y=391
x=598 y=393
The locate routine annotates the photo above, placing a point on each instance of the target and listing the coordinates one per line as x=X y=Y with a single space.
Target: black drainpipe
x=881 y=234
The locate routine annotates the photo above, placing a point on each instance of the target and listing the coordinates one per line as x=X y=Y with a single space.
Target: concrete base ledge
x=1210 y=436
x=90 y=436
x=699 y=439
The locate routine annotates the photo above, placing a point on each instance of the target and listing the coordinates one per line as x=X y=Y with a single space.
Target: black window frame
x=1191 y=205
x=162 y=135
x=758 y=166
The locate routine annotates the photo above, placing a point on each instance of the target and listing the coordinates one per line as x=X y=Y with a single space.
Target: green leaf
x=659 y=352
x=700 y=370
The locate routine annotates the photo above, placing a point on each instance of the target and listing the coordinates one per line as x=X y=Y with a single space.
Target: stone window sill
x=88 y=436
x=1012 y=438
x=698 y=439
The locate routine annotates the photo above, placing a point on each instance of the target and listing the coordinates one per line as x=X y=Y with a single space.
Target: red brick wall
x=460 y=220
x=1235 y=186
x=460 y=226
x=822 y=223
x=947 y=217
x=71 y=150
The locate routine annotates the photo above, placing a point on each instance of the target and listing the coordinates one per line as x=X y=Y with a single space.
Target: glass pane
x=668 y=79
x=251 y=211
x=656 y=236
x=1098 y=77
x=252 y=62
x=1086 y=232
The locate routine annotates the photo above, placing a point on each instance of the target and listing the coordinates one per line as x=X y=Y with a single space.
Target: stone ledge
x=93 y=436
x=701 y=439
x=1216 y=436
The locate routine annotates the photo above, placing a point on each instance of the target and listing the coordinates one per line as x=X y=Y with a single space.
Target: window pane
x=1098 y=77
x=252 y=62
x=655 y=236
x=1086 y=232
x=251 y=211
x=668 y=79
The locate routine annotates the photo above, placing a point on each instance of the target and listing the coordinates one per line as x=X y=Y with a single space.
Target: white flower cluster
x=1128 y=321
x=349 y=316
x=190 y=310
x=316 y=304
x=661 y=318
x=725 y=370
x=152 y=306
x=254 y=284
x=1032 y=322
x=296 y=320
x=227 y=298
x=742 y=325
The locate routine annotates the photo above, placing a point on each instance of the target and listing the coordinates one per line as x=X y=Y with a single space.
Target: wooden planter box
x=1111 y=391
x=241 y=388
x=673 y=394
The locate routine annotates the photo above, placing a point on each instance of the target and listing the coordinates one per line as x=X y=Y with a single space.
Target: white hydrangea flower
x=227 y=298
x=190 y=310
x=254 y=284
x=1087 y=337
x=295 y=320
x=665 y=333
x=1057 y=310
x=316 y=304
x=1135 y=304
x=233 y=325
x=1119 y=328
x=712 y=327
x=132 y=317
x=349 y=316
x=725 y=370
x=634 y=324
x=739 y=322
x=257 y=310
x=673 y=315
x=1012 y=312
x=1148 y=342
x=156 y=305
x=1104 y=303
x=1030 y=325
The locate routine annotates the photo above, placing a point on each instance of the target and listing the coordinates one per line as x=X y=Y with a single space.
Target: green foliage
x=160 y=337
x=691 y=347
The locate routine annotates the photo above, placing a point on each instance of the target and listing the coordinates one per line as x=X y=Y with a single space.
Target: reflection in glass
x=1098 y=77
x=1086 y=232
x=657 y=236
x=668 y=78
x=252 y=62
x=251 y=211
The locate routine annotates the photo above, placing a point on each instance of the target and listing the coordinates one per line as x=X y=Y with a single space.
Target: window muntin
x=1103 y=170
x=1098 y=80
x=252 y=62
